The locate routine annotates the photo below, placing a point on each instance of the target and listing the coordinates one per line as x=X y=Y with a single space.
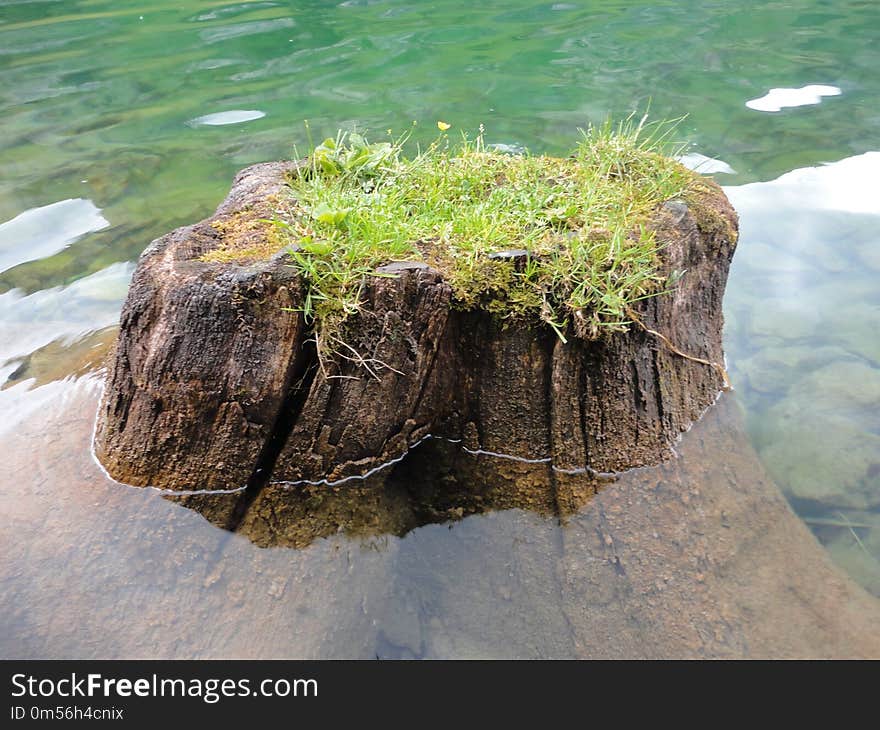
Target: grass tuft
x=581 y=218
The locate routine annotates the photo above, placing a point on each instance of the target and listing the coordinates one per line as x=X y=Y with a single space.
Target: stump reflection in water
x=437 y=481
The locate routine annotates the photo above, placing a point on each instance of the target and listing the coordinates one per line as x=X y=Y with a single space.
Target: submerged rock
x=772 y=369
x=820 y=443
x=216 y=384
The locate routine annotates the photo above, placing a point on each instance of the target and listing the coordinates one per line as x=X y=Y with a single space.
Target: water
x=122 y=121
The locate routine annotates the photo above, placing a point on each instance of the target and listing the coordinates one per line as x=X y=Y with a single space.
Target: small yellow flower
x=443 y=126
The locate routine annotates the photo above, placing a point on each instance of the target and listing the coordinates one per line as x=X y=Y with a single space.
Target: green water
x=100 y=103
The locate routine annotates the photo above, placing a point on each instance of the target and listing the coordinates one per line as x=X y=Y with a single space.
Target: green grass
x=581 y=218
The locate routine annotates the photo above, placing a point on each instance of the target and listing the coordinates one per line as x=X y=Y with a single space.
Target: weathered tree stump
x=215 y=382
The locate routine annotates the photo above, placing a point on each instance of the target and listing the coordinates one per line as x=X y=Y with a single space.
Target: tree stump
x=215 y=383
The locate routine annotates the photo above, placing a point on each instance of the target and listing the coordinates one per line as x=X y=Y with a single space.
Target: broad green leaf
x=319 y=248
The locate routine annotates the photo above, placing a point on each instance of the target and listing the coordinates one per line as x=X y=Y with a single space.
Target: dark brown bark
x=205 y=356
x=213 y=383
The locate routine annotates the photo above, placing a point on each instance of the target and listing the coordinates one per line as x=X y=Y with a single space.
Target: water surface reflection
x=803 y=313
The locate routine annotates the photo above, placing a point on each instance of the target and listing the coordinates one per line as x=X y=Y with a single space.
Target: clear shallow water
x=106 y=145
x=803 y=317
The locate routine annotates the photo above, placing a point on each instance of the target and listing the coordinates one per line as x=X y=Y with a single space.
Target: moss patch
x=701 y=198
x=251 y=234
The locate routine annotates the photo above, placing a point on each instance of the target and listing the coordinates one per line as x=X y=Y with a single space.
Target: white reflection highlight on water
x=776 y=100
x=88 y=304
x=850 y=185
x=234 y=116
x=783 y=240
x=705 y=165
x=43 y=231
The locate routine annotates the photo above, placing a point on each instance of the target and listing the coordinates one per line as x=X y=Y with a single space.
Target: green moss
x=251 y=234
x=702 y=199
x=583 y=219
